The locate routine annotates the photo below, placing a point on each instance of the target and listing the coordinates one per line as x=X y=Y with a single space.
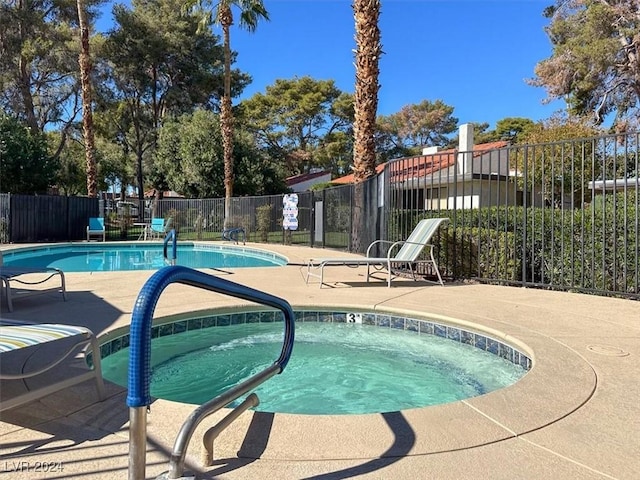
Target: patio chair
x=96 y=228
x=159 y=227
x=25 y=276
x=22 y=344
x=233 y=234
x=407 y=254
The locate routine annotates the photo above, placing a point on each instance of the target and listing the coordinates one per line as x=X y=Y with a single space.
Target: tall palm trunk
x=24 y=81
x=368 y=51
x=226 y=117
x=87 y=114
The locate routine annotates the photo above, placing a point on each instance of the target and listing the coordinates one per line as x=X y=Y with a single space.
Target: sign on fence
x=290 y=212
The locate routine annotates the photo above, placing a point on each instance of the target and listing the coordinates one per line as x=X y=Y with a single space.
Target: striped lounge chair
x=19 y=343
x=403 y=253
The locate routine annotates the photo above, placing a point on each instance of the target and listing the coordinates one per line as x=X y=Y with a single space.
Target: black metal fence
x=562 y=215
x=323 y=218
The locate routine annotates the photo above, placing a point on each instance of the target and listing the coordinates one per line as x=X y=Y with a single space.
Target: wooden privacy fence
x=48 y=218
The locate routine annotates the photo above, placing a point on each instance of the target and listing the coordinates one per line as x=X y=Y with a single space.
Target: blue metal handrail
x=171 y=236
x=139 y=399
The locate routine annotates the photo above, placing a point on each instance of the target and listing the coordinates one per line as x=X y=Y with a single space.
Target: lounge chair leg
x=435 y=267
x=306 y=280
x=413 y=273
x=63 y=286
x=21 y=335
x=310 y=266
x=97 y=367
x=7 y=294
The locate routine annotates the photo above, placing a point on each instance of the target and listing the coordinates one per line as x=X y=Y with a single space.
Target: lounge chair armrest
x=405 y=242
x=373 y=244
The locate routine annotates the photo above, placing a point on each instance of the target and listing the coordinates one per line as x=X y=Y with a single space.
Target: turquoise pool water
x=105 y=257
x=335 y=368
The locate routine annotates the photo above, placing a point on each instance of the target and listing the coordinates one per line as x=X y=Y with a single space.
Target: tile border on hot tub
x=114 y=341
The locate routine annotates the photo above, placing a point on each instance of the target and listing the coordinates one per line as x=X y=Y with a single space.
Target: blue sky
x=474 y=55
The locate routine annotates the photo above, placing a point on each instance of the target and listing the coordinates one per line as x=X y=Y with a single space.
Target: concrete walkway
x=575 y=415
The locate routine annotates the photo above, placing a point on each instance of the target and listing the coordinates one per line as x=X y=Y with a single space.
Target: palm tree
x=87 y=115
x=367 y=56
x=251 y=12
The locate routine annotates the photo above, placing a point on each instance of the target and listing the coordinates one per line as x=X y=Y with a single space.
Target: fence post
x=525 y=186
x=314 y=216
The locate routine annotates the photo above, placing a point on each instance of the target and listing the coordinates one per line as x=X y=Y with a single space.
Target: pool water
x=334 y=368
x=136 y=256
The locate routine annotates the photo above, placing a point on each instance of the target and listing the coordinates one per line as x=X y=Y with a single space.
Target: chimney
x=465 y=148
x=430 y=150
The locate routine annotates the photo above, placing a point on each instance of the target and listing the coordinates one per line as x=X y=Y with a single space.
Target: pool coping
x=261 y=253
x=431 y=436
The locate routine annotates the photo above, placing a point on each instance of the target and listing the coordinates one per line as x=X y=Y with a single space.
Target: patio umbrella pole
x=137 y=442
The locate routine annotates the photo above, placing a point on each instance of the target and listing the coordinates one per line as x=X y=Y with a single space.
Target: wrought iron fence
x=561 y=215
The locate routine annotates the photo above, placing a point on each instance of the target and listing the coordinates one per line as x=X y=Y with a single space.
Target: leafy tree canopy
x=25 y=166
x=157 y=63
x=559 y=127
x=190 y=157
x=39 y=60
x=595 y=65
x=512 y=129
x=415 y=126
x=71 y=178
x=555 y=163
x=294 y=117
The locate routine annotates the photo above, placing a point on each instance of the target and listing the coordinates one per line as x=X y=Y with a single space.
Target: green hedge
x=479 y=252
x=595 y=247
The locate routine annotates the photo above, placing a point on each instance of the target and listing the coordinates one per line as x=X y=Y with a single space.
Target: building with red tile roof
x=470 y=176
x=405 y=168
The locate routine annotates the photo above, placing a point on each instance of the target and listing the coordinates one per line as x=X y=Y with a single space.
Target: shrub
x=263 y=222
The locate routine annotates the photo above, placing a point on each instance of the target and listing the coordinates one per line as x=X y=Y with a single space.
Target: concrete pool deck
x=575 y=415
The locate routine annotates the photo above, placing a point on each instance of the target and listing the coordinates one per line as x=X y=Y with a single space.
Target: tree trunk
x=226 y=118
x=368 y=50
x=139 y=173
x=87 y=113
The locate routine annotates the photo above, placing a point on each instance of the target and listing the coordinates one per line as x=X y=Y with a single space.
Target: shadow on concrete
x=253 y=446
x=404 y=439
x=257 y=437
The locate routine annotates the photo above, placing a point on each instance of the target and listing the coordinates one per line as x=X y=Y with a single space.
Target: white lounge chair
x=26 y=276
x=407 y=254
x=19 y=343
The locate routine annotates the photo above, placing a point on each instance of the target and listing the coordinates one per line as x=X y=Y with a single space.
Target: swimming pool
x=109 y=257
x=341 y=363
